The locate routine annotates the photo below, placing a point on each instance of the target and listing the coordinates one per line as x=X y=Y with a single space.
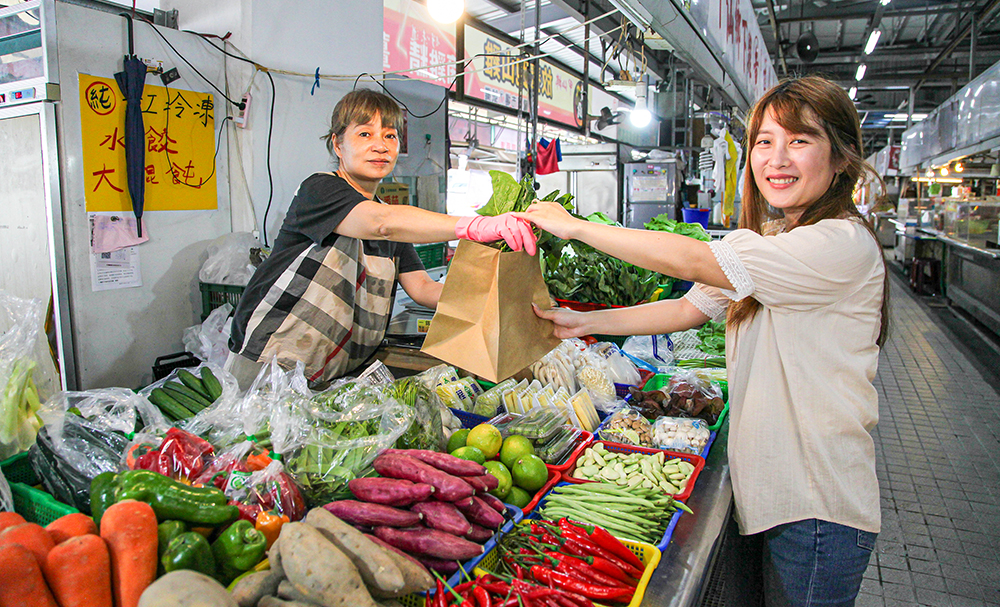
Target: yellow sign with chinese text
x=179 y=143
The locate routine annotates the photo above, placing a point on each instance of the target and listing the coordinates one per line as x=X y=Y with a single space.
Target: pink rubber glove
x=516 y=232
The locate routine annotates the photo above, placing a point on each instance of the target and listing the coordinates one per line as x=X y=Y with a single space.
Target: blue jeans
x=808 y=563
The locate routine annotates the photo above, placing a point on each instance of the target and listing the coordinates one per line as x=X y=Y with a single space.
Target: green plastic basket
x=660 y=381
x=431 y=254
x=215 y=295
x=37 y=506
x=17 y=469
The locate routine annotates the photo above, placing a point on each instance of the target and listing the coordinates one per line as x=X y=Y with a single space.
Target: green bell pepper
x=238 y=549
x=189 y=550
x=165 y=533
x=173 y=500
x=102 y=495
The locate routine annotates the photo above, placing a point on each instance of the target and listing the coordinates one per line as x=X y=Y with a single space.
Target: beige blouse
x=802 y=402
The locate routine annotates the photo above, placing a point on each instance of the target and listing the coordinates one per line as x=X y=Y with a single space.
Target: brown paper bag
x=484 y=321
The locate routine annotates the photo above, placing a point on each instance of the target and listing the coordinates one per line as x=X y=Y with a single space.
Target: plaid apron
x=329 y=309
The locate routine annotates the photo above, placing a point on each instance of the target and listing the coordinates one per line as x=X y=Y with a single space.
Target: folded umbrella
x=131 y=81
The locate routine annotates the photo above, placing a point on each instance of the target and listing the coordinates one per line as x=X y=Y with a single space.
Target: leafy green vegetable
x=509 y=196
x=19 y=403
x=425 y=431
x=713 y=338
x=662 y=223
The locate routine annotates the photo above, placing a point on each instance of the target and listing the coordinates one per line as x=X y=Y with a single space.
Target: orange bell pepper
x=269 y=524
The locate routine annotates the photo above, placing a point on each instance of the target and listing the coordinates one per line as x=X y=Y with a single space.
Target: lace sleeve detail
x=708 y=306
x=734 y=269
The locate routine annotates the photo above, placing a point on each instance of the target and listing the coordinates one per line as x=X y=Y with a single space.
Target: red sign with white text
x=412 y=40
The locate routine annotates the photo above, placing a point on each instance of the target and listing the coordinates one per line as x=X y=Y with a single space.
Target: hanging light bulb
x=853 y=93
x=944 y=171
x=640 y=114
x=930 y=172
x=958 y=167
x=446 y=11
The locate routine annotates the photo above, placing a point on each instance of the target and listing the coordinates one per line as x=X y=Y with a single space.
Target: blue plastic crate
x=469 y=420
x=664 y=541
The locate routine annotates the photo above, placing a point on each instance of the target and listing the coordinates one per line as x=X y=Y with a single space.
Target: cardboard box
x=393 y=193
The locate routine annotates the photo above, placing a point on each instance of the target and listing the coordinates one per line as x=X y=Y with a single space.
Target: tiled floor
x=938 y=459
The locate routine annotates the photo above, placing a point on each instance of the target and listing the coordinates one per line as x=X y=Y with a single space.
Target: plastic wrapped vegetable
x=684 y=435
x=425 y=431
x=178 y=455
x=628 y=426
x=693 y=395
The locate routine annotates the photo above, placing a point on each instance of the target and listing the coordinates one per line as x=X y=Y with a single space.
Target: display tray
x=661 y=545
x=17 y=469
x=36 y=506
x=649 y=555
x=695 y=460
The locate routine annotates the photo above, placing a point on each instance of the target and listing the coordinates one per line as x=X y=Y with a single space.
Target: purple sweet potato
x=481 y=514
x=444 y=517
x=429 y=542
x=476 y=483
x=479 y=534
x=372 y=515
x=390 y=491
x=397 y=465
x=442 y=567
x=489 y=480
x=493 y=502
x=465 y=502
x=443 y=461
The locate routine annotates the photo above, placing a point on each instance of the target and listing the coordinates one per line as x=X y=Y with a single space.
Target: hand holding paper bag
x=485 y=323
x=516 y=232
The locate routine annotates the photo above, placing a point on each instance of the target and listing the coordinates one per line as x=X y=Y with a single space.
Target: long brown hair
x=798 y=105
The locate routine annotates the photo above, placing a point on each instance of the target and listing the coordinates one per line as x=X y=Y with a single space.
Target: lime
x=530 y=473
x=457 y=439
x=470 y=453
x=513 y=448
x=502 y=474
x=486 y=438
x=518 y=497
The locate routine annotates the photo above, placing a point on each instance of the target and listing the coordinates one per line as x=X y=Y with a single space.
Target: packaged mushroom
x=681 y=434
x=628 y=426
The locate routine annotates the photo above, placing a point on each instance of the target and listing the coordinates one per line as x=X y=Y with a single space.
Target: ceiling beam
x=777 y=38
x=918 y=53
x=863 y=10
x=984 y=17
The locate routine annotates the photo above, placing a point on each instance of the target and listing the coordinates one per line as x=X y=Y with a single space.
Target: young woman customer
x=324 y=294
x=803 y=288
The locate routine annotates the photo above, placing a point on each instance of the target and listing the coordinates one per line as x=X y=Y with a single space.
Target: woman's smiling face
x=791 y=170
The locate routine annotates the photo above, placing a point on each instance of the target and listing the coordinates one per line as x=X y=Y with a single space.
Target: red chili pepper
x=610 y=543
x=580 y=544
x=591 y=591
x=482 y=597
x=439 y=599
x=587 y=570
x=518 y=571
x=606 y=566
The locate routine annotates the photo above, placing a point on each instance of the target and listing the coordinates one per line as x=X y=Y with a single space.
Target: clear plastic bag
x=628 y=426
x=656 y=350
x=253 y=480
x=558 y=367
x=220 y=422
x=341 y=431
x=209 y=341
x=691 y=394
x=593 y=375
x=228 y=260
x=425 y=431
x=490 y=402
x=618 y=367
x=6 y=498
x=684 y=435
x=27 y=373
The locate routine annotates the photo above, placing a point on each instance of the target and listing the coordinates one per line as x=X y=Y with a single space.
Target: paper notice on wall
x=115 y=269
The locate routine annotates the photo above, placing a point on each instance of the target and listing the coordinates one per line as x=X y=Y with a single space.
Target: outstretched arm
x=665 y=316
x=669 y=254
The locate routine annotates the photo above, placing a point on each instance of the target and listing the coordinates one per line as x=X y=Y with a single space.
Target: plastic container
x=660 y=381
x=432 y=255
x=214 y=295
x=704 y=452
x=17 y=469
x=163 y=365
x=582 y=441
x=661 y=545
x=649 y=555
x=696 y=216
x=36 y=506
x=695 y=460
x=513 y=516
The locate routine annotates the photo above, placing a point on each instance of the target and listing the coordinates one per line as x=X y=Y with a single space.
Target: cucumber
x=211 y=383
x=170 y=407
x=191 y=381
x=185 y=396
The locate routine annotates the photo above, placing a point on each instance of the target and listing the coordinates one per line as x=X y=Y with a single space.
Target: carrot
x=79 y=572
x=10 y=519
x=30 y=535
x=129 y=528
x=21 y=581
x=71 y=525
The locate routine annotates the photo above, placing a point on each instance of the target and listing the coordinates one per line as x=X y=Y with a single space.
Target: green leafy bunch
x=509 y=196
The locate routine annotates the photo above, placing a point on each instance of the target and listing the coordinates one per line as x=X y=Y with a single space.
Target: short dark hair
x=359 y=107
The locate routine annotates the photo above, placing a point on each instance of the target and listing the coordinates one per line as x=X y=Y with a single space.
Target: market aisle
x=938 y=462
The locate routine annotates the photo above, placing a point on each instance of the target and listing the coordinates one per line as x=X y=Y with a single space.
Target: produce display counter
x=686 y=563
x=972 y=280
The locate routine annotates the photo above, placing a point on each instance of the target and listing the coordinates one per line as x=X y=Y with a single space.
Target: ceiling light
x=958 y=167
x=884 y=2
x=640 y=114
x=853 y=93
x=861 y=72
x=930 y=172
x=944 y=171
x=872 y=41
x=445 y=11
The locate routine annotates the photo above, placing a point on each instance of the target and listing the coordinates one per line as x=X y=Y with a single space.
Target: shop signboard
x=494 y=77
x=412 y=40
x=731 y=29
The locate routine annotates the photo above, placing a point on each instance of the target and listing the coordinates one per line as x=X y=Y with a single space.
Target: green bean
x=610 y=525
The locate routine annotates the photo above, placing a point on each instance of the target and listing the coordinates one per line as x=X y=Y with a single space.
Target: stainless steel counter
x=684 y=568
